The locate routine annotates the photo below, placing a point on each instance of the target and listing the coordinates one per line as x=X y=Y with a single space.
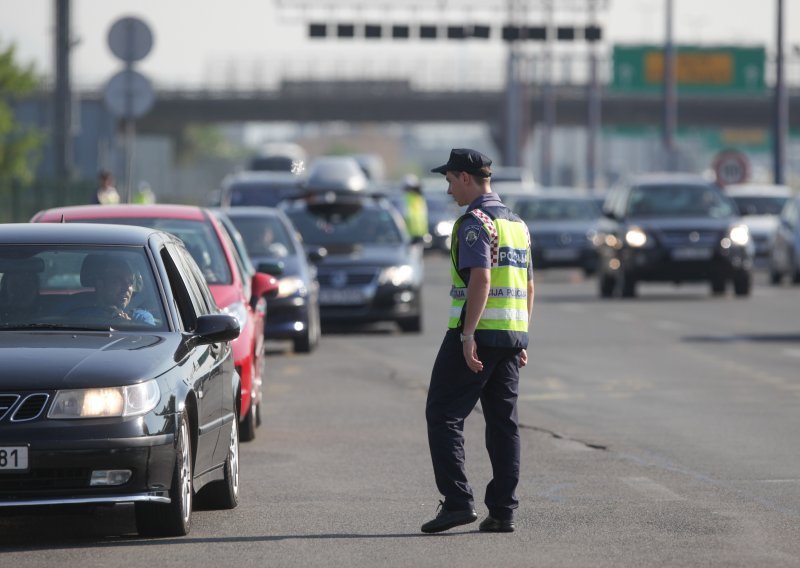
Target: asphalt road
x=660 y=431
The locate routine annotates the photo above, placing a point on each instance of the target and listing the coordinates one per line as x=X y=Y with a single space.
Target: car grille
x=688 y=237
x=46 y=478
x=22 y=407
x=346 y=277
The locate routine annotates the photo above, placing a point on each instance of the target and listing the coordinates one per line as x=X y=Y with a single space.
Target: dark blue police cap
x=466 y=160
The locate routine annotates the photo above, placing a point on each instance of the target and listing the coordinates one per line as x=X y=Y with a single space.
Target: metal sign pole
x=781 y=104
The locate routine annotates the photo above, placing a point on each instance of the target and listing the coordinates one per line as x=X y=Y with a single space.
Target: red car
x=235 y=292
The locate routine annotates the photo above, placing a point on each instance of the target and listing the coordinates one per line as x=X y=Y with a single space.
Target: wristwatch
x=464 y=338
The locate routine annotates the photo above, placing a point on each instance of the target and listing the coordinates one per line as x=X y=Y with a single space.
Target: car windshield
x=265 y=236
x=200 y=238
x=78 y=288
x=339 y=227
x=548 y=209
x=261 y=194
x=752 y=205
x=672 y=200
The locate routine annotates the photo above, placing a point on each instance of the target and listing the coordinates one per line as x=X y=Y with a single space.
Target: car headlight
x=397 y=275
x=290 y=286
x=239 y=311
x=636 y=237
x=106 y=402
x=739 y=235
x=443 y=228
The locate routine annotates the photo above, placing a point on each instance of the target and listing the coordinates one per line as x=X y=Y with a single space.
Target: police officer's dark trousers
x=454 y=391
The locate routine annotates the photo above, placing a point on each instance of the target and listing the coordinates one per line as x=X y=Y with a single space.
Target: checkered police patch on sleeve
x=471 y=236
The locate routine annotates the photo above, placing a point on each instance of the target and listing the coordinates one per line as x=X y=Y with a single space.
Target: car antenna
x=62 y=218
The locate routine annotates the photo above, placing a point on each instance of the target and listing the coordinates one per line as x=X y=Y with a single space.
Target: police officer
x=483 y=348
x=416 y=209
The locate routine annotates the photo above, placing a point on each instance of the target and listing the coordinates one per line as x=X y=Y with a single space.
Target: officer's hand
x=523 y=358
x=471 y=356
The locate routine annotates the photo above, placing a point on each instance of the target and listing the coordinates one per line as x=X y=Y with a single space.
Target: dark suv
x=672 y=228
x=368 y=268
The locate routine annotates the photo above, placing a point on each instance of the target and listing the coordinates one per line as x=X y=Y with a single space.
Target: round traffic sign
x=731 y=166
x=129 y=94
x=130 y=39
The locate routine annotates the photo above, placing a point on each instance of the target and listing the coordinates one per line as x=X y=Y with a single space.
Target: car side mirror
x=263 y=286
x=609 y=214
x=272 y=267
x=213 y=328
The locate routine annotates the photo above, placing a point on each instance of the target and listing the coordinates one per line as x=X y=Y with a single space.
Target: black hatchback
x=672 y=228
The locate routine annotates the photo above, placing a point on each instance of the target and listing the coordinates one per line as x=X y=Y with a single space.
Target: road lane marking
x=651 y=489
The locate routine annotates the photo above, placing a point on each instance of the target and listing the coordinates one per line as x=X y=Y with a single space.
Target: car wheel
x=795 y=271
x=307 y=342
x=742 y=283
x=607 y=285
x=718 y=285
x=249 y=424
x=628 y=287
x=411 y=325
x=175 y=518
x=224 y=494
x=775 y=277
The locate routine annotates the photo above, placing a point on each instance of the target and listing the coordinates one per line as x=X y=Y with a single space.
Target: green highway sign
x=701 y=70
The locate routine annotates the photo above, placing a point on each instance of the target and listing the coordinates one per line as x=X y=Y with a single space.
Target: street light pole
x=781 y=104
x=62 y=100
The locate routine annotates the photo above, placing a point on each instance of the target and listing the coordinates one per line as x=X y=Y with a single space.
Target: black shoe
x=490 y=524
x=446 y=520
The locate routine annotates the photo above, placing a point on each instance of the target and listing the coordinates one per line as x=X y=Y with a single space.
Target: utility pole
x=670 y=95
x=62 y=103
x=781 y=104
x=548 y=98
x=593 y=111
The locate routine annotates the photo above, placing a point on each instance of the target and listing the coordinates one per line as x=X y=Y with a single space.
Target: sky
x=218 y=43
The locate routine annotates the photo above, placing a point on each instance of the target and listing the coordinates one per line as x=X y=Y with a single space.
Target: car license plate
x=13 y=458
x=560 y=254
x=341 y=297
x=695 y=253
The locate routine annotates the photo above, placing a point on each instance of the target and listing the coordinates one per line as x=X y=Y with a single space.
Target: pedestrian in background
x=106 y=193
x=416 y=209
x=483 y=348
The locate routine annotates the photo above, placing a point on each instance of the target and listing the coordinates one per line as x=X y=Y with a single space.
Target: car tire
x=248 y=425
x=224 y=493
x=307 y=342
x=718 y=285
x=607 y=284
x=742 y=283
x=775 y=277
x=628 y=285
x=175 y=518
x=411 y=325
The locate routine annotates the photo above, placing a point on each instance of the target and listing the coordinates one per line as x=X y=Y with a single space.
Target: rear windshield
x=259 y=194
x=679 y=201
x=200 y=238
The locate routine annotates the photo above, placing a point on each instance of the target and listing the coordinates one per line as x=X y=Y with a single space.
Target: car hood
x=683 y=223
x=761 y=224
x=367 y=254
x=578 y=226
x=37 y=360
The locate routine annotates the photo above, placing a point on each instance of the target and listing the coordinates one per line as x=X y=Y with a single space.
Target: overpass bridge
x=397 y=101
